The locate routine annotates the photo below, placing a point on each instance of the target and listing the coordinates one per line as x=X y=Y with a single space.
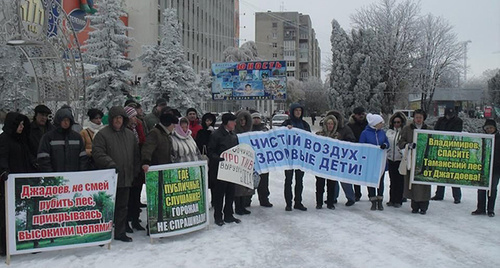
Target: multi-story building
x=289 y=36
x=208 y=27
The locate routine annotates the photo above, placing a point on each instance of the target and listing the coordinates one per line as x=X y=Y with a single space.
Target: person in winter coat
x=15 y=157
x=62 y=149
x=449 y=122
x=329 y=130
x=222 y=192
x=95 y=117
x=419 y=194
x=263 y=188
x=374 y=134
x=39 y=126
x=153 y=118
x=194 y=122
x=115 y=146
x=490 y=127
x=394 y=156
x=203 y=136
x=242 y=195
x=134 y=199
x=344 y=133
x=184 y=147
x=358 y=123
x=157 y=150
x=295 y=120
x=75 y=127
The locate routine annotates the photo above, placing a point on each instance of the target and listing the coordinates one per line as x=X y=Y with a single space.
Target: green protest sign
x=451 y=158
x=177 y=201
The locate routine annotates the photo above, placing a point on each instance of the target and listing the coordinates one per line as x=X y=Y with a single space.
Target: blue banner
x=283 y=148
x=252 y=80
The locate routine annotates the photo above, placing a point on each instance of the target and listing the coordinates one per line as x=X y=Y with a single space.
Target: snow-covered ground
x=448 y=236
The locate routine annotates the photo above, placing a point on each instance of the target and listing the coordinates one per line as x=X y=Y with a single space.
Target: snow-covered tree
x=14 y=82
x=170 y=75
x=438 y=51
x=316 y=96
x=494 y=89
x=106 y=47
x=396 y=26
x=340 y=74
x=247 y=52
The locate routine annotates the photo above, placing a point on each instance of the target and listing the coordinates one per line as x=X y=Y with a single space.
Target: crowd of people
x=131 y=142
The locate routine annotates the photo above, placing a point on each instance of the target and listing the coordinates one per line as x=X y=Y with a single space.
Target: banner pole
x=7 y=244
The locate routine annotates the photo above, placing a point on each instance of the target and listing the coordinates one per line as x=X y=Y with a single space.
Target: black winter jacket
x=454 y=124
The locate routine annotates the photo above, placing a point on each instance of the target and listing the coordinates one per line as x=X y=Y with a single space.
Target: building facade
x=289 y=36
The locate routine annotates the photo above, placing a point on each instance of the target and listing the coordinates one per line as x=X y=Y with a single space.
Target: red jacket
x=195 y=126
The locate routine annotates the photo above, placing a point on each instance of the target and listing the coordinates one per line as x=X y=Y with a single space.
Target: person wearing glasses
x=394 y=156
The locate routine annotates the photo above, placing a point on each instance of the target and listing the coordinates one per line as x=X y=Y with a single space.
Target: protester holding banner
x=153 y=118
x=394 y=156
x=490 y=127
x=344 y=133
x=357 y=123
x=62 y=149
x=449 y=122
x=329 y=130
x=263 y=188
x=184 y=147
x=15 y=157
x=295 y=121
x=222 y=192
x=157 y=149
x=242 y=194
x=374 y=134
x=419 y=194
x=115 y=146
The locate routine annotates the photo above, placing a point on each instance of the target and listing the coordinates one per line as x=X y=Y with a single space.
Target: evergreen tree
x=170 y=75
x=340 y=76
x=494 y=89
x=14 y=82
x=107 y=48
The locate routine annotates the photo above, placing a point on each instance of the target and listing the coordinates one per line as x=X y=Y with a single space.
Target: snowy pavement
x=448 y=236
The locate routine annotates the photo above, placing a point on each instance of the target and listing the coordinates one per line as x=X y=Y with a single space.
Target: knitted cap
x=374 y=119
x=256 y=115
x=131 y=112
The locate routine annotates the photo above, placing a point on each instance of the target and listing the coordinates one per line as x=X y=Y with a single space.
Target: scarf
x=95 y=127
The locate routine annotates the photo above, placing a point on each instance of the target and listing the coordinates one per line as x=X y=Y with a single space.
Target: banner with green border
x=177 y=200
x=53 y=211
x=452 y=158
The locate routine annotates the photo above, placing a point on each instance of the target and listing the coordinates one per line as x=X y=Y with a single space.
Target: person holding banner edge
x=374 y=134
x=490 y=127
x=419 y=194
x=357 y=123
x=449 y=122
x=329 y=130
x=295 y=120
x=263 y=188
x=222 y=192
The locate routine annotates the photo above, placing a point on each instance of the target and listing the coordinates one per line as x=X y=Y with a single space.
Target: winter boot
x=374 y=200
x=379 y=203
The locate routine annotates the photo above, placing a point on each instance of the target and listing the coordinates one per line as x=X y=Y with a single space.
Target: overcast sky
x=474 y=20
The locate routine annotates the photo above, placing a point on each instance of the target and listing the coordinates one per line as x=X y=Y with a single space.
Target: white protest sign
x=237 y=166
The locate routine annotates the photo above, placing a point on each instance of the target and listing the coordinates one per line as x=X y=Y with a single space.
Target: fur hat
x=374 y=119
x=490 y=122
x=42 y=109
x=358 y=110
x=228 y=117
x=92 y=113
x=167 y=119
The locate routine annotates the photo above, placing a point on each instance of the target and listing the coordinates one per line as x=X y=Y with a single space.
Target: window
x=290 y=74
x=275 y=24
x=290 y=64
x=275 y=55
x=275 y=35
x=275 y=44
x=289 y=53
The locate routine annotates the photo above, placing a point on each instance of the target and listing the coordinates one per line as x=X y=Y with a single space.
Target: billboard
x=253 y=80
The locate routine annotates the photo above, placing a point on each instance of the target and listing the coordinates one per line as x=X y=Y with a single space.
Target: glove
x=4 y=176
x=413 y=145
x=116 y=170
x=383 y=146
x=221 y=159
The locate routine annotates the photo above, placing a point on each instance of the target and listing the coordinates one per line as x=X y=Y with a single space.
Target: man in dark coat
x=62 y=149
x=223 y=192
x=357 y=123
x=153 y=118
x=115 y=146
x=295 y=120
x=39 y=127
x=449 y=122
x=157 y=150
